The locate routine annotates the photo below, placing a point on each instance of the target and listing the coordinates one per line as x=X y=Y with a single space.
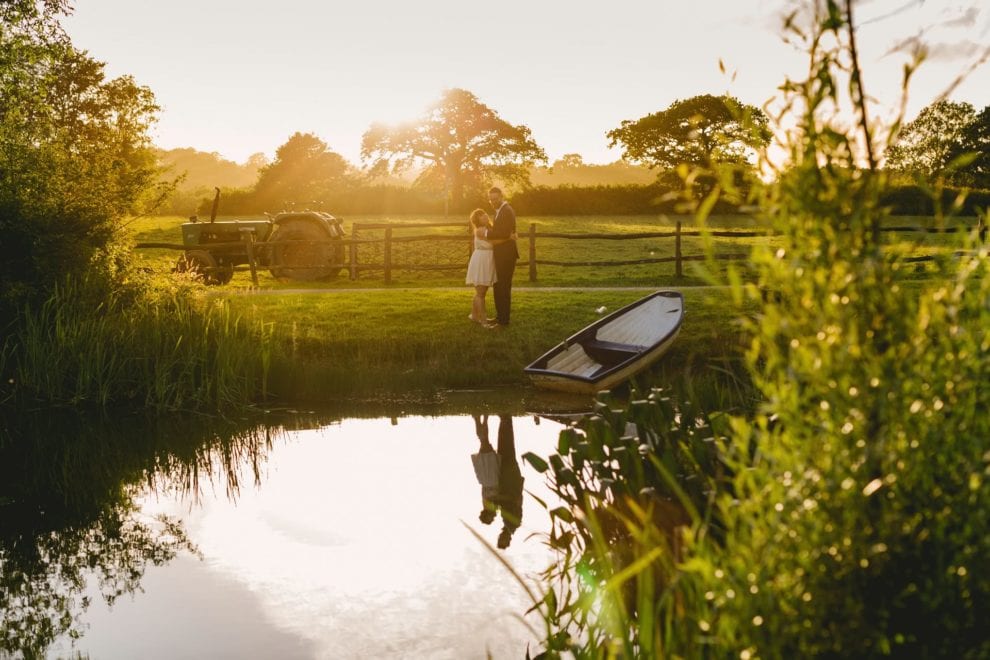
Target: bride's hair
x=477 y=217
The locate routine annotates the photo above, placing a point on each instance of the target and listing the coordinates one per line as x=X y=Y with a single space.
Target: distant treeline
x=561 y=200
x=537 y=200
x=914 y=200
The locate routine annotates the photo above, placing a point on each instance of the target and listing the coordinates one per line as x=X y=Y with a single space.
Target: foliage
x=929 y=143
x=605 y=200
x=848 y=515
x=857 y=529
x=700 y=131
x=15 y=12
x=630 y=477
x=304 y=171
x=931 y=200
x=974 y=142
x=365 y=199
x=76 y=156
x=463 y=142
x=571 y=170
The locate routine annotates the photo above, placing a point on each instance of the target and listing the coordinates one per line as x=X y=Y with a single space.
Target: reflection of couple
x=493 y=261
x=500 y=478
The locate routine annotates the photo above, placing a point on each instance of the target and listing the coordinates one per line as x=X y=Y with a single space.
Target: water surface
x=312 y=537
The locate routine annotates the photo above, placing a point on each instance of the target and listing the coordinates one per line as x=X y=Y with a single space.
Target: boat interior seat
x=613 y=346
x=574 y=360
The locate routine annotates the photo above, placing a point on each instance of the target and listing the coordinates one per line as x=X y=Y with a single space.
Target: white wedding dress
x=481 y=268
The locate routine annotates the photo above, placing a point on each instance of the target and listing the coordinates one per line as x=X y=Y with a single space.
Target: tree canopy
x=974 y=142
x=462 y=141
x=701 y=131
x=303 y=171
x=928 y=144
x=76 y=154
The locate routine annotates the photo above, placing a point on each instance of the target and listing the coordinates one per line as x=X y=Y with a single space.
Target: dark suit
x=506 y=255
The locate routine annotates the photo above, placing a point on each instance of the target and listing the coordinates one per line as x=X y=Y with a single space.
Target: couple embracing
x=493 y=261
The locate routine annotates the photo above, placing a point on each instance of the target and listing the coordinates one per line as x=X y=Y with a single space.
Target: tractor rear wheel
x=305 y=254
x=204 y=267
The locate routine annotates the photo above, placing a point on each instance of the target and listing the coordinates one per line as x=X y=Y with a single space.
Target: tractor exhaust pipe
x=216 y=205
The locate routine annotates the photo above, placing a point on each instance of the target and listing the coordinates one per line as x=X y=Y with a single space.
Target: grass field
x=392 y=342
x=166 y=229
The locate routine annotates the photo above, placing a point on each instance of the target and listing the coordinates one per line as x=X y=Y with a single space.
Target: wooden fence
x=389 y=240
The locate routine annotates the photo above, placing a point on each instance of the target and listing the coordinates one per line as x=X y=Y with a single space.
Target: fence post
x=388 y=255
x=677 y=250
x=532 y=252
x=353 y=251
x=982 y=231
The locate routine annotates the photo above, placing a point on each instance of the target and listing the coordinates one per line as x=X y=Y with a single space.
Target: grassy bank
x=175 y=348
x=394 y=341
x=178 y=345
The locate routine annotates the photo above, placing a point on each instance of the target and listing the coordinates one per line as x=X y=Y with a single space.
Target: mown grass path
x=527 y=289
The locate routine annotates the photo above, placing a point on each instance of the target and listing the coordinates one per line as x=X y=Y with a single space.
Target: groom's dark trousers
x=506 y=255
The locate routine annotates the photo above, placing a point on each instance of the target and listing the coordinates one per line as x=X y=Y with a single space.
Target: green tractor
x=295 y=245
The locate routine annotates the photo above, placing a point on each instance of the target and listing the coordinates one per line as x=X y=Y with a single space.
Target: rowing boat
x=613 y=348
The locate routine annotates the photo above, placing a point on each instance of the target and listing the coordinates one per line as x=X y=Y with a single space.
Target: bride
x=481 y=268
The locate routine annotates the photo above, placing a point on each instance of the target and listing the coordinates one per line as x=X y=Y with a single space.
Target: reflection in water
x=68 y=517
x=295 y=522
x=501 y=480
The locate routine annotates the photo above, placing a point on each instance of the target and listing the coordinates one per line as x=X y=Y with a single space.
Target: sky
x=239 y=77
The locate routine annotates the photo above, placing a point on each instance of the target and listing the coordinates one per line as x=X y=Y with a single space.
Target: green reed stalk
x=152 y=350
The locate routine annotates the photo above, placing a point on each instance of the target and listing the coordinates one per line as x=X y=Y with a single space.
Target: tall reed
x=161 y=348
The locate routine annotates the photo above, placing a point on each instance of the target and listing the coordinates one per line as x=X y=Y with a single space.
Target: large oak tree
x=702 y=131
x=926 y=145
x=463 y=143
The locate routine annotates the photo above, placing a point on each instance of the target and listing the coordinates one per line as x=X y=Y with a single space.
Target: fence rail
x=354 y=267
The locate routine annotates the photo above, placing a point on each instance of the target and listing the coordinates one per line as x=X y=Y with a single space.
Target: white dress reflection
x=497 y=470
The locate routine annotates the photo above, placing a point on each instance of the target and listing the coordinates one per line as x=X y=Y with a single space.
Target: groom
x=506 y=254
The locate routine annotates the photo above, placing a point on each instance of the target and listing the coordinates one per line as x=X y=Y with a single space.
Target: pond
x=305 y=536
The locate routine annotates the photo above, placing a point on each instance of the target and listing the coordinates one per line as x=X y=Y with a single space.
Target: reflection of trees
x=42 y=577
x=67 y=512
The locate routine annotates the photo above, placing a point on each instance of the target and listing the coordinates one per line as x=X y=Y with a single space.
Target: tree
x=929 y=143
x=701 y=131
x=974 y=140
x=303 y=172
x=571 y=161
x=463 y=142
x=76 y=157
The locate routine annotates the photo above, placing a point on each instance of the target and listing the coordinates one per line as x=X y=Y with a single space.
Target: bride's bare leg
x=478 y=307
